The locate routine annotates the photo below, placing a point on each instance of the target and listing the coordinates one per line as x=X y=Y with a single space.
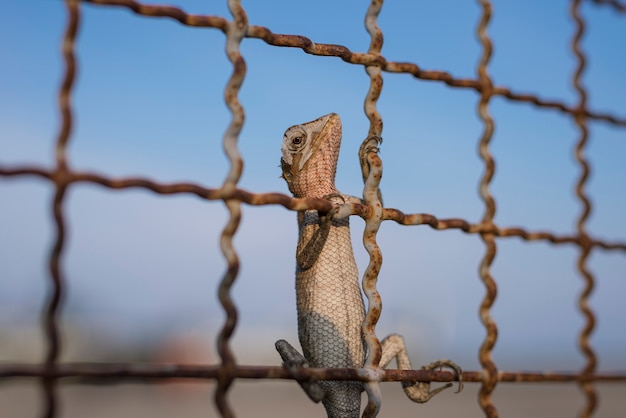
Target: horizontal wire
x=340 y=51
x=161 y=373
x=616 y=5
x=97 y=372
x=298 y=204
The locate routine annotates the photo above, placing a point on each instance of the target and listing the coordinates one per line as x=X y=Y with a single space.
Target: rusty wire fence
x=62 y=178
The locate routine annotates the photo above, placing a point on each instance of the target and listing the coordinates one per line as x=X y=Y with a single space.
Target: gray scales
x=329 y=301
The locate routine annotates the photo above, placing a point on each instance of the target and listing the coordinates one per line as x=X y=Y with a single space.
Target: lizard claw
x=370 y=144
x=292 y=360
x=337 y=195
x=440 y=364
x=420 y=391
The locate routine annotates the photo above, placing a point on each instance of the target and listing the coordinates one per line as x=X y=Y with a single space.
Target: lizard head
x=310 y=152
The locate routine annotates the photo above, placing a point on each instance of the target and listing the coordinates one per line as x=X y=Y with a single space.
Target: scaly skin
x=329 y=300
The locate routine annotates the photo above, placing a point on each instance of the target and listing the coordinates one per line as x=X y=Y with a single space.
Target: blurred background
x=142 y=270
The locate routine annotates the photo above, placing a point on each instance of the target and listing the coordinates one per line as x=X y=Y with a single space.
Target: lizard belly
x=330 y=306
x=330 y=315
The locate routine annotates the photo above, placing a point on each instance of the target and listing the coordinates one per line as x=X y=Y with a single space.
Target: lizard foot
x=420 y=391
x=292 y=360
x=393 y=347
x=335 y=195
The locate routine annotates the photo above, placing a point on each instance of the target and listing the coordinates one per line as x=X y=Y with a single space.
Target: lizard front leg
x=307 y=254
x=393 y=347
x=292 y=359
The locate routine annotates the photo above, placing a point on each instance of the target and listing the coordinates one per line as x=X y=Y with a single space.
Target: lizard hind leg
x=393 y=347
x=292 y=359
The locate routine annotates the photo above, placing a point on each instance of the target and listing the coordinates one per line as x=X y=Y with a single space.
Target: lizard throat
x=317 y=177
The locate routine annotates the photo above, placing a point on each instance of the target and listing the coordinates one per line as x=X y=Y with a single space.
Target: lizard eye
x=295 y=140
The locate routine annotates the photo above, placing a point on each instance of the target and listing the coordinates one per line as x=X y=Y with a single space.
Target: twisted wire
x=50 y=317
x=345 y=54
x=585 y=247
x=486 y=361
x=113 y=373
x=615 y=4
x=321 y=205
x=234 y=35
x=371 y=167
x=62 y=177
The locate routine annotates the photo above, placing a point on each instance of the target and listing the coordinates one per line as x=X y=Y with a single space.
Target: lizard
x=328 y=297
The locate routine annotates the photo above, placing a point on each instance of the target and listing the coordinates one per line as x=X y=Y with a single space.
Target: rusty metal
x=585 y=248
x=484 y=354
x=340 y=51
x=298 y=204
x=501 y=232
x=57 y=286
x=616 y=5
x=234 y=35
x=50 y=372
x=372 y=169
x=100 y=373
x=370 y=278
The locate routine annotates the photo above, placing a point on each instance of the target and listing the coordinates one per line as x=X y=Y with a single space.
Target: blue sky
x=148 y=102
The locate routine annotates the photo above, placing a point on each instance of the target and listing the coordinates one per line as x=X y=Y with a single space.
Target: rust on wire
x=372 y=170
x=235 y=32
x=615 y=4
x=486 y=361
x=99 y=373
x=501 y=232
x=370 y=278
x=340 y=51
x=55 y=294
x=321 y=205
x=61 y=177
x=299 y=204
x=585 y=247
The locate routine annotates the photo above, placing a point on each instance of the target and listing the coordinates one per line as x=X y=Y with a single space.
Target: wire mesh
x=61 y=177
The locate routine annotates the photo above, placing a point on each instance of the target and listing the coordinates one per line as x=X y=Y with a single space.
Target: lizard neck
x=312 y=189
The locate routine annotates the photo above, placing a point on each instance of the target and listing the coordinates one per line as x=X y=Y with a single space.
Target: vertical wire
x=585 y=346
x=237 y=29
x=370 y=277
x=60 y=177
x=489 y=367
x=371 y=167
